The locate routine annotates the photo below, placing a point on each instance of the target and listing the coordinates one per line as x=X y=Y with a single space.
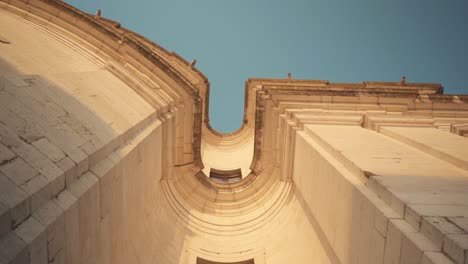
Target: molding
x=139 y=56
x=460 y=129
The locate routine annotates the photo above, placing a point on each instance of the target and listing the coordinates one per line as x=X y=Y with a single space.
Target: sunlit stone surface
x=105 y=153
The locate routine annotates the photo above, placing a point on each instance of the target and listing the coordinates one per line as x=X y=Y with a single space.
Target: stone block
x=13 y=249
x=413 y=246
x=435 y=258
x=102 y=167
x=69 y=204
x=461 y=222
x=49 y=149
x=381 y=223
x=397 y=205
x=51 y=215
x=393 y=244
x=37 y=101
x=106 y=182
x=56 y=185
x=69 y=167
x=80 y=159
x=436 y=228
x=5 y=154
x=37 y=190
x=18 y=171
x=5 y=219
x=86 y=190
x=383 y=212
x=445 y=210
x=79 y=188
x=377 y=248
x=456 y=247
x=31 y=117
x=66 y=200
x=15 y=199
x=366 y=229
x=9 y=138
x=36 y=91
x=33 y=234
x=413 y=218
x=95 y=150
x=383 y=193
x=382 y=215
x=116 y=156
x=29 y=132
x=42 y=164
x=80 y=127
x=64 y=137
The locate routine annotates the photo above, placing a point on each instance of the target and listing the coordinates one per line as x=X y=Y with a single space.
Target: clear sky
x=339 y=41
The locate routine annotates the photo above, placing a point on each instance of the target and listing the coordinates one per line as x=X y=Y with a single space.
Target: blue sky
x=339 y=41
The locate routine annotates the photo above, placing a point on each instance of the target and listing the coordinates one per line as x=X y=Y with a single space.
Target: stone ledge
x=51 y=229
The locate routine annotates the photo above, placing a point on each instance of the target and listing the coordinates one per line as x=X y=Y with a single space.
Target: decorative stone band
x=142 y=61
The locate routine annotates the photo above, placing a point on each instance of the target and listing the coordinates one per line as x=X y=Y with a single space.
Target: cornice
x=416 y=93
x=114 y=36
x=258 y=91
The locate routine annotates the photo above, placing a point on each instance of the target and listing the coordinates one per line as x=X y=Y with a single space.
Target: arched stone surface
x=106 y=130
x=217 y=151
x=105 y=145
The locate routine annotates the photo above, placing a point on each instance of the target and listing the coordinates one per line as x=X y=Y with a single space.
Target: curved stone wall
x=117 y=137
x=105 y=146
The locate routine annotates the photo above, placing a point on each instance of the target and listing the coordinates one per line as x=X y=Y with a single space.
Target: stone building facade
x=107 y=156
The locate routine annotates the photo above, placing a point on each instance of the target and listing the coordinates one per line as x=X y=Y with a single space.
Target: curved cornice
x=100 y=31
x=197 y=86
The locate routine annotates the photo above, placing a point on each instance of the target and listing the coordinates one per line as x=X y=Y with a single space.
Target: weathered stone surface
x=81 y=160
x=13 y=249
x=456 y=246
x=37 y=190
x=15 y=199
x=33 y=234
x=70 y=206
x=51 y=216
x=39 y=161
x=435 y=258
x=5 y=154
x=48 y=149
x=413 y=246
x=393 y=245
x=26 y=130
x=18 y=171
x=436 y=228
x=111 y=135
x=5 y=219
x=461 y=222
x=69 y=167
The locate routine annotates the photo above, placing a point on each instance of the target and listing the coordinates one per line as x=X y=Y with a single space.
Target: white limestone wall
x=81 y=165
x=289 y=237
x=379 y=200
x=265 y=222
x=92 y=220
x=299 y=238
x=137 y=225
x=80 y=150
x=340 y=203
x=82 y=159
x=77 y=70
